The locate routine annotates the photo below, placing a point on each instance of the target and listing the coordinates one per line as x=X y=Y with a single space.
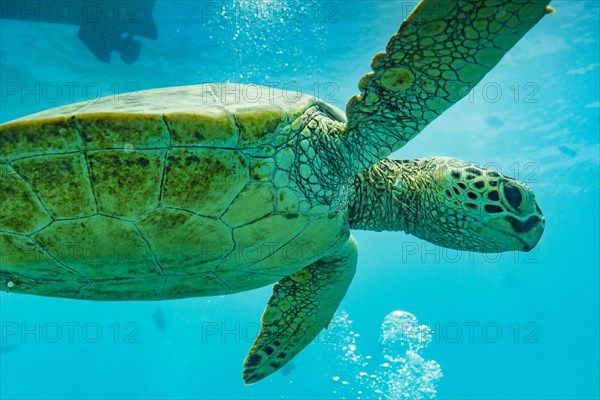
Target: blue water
x=510 y=326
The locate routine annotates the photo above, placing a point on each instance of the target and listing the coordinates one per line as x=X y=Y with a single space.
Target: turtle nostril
x=513 y=195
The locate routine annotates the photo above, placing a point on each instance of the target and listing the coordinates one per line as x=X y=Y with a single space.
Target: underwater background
x=495 y=326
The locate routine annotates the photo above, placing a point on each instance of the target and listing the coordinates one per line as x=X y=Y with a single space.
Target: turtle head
x=466 y=207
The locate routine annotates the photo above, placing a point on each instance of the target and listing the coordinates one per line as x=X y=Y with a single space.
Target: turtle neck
x=379 y=198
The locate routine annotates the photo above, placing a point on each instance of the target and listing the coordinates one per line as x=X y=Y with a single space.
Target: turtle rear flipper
x=301 y=306
x=441 y=51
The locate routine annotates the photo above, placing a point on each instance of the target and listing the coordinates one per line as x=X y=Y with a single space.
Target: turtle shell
x=164 y=193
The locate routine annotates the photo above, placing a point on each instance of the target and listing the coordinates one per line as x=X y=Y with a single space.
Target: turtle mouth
x=531 y=230
x=527 y=246
x=526 y=234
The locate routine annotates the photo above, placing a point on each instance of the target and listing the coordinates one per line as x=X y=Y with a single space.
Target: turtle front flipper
x=442 y=50
x=301 y=306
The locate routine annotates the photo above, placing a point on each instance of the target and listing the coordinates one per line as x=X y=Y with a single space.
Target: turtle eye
x=513 y=195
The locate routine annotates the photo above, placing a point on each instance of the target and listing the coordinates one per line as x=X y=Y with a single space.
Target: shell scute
x=61 y=182
x=98 y=247
x=122 y=131
x=20 y=209
x=212 y=128
x=126 y=184
x=193 y=244
x=204 y=181
x=28 y=136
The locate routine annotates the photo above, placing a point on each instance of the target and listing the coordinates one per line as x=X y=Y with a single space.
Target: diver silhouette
x=105 y=25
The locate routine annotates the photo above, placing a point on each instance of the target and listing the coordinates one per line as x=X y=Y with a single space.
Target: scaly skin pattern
x=442 y=50
x=324 y=157
x=447 y=202
x=301 y=306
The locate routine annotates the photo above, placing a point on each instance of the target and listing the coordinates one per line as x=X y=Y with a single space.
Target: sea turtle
x=220 y=188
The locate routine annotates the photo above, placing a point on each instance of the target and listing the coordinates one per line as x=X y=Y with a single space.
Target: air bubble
x=404 y=374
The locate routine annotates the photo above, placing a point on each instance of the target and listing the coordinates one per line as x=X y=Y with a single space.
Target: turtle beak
x=527 y=228
x=522 y=224
x=530 y=231
x=526 y=220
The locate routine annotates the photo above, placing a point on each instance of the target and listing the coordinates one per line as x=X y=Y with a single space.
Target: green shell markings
x=220 y=188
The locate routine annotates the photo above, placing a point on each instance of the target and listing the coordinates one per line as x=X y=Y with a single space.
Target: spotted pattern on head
x=448 y=202
x=493 y=212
